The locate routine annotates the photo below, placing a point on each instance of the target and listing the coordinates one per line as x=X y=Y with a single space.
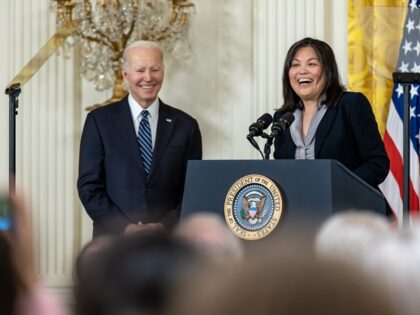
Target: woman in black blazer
x=330 y=123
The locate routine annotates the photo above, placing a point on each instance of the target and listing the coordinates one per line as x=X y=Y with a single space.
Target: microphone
x=282 y=124
x=256 y=129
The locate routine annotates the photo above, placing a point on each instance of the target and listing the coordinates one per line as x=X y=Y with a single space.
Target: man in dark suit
x=132 y=163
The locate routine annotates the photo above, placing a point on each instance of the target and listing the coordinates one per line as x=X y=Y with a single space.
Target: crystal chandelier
x=107 y=26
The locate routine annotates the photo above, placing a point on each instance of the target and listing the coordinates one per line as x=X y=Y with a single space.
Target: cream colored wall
x=48 y=127
x=232 y=77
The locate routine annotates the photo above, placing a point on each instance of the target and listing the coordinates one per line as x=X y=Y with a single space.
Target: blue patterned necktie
x=144 y=138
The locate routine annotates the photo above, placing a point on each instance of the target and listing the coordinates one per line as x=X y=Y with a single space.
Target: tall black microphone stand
x=13 y=91
x=14 y=88
x=406 y=79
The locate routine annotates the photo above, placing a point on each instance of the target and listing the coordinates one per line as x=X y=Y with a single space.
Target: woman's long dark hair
x=333 y=86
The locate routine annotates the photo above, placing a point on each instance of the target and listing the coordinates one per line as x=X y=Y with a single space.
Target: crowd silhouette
x=356 y=262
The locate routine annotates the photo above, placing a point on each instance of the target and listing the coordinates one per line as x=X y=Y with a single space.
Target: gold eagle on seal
x=252 y=208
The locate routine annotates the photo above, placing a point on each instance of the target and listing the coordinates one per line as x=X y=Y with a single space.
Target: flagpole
x=406 y=79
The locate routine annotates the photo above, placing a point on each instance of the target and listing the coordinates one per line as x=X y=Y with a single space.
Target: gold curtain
x=375 y=29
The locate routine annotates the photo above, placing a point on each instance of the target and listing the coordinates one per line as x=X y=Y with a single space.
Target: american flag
x=408 y=61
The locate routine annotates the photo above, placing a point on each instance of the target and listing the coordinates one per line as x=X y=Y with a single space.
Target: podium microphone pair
x=257 y=129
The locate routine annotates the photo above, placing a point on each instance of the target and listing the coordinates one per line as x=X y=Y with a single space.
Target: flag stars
x=410 y=25
x=418 y=27
x=413 y=5
x=417 y=48
x=407 y=47
x=412 y=112
x=403 y=67
x=418 y=137
x=399 y=90
x=414 y=91
x=416 y=68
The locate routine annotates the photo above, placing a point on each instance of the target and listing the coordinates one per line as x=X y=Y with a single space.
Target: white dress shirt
x=153 y=117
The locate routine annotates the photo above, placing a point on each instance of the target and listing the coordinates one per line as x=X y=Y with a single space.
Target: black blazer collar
x=324 y=128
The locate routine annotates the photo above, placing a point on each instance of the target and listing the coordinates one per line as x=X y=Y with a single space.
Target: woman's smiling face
x=306 y=74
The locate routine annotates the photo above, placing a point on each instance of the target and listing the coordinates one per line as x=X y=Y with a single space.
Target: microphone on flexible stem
x=256 y=129
x=282 y=124
x=277 y=128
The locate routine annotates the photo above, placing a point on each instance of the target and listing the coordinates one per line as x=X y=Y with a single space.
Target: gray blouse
x=305 y=147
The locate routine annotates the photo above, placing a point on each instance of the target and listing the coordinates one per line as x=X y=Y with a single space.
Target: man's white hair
x=140 y=44
x=394 y=263
x=348 y=236
x=209 y=233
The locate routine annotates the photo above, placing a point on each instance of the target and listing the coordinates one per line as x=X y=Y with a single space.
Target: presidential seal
x=253 y=207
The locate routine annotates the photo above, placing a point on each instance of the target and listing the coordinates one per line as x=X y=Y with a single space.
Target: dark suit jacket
x=348 y=133
x=112 y=183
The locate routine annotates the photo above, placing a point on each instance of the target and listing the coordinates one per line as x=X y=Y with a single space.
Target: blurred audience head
x=21 y=290
x=16 y=274
x=90 y=254
x=348 y=236
x=209 y=234
x=394 y=263
x=282 y=277
x=11 y=281
x=136 y=275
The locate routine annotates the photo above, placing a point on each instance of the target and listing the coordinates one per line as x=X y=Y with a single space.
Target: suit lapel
x=124 y=125
x=324 y=128
x=166 y=123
